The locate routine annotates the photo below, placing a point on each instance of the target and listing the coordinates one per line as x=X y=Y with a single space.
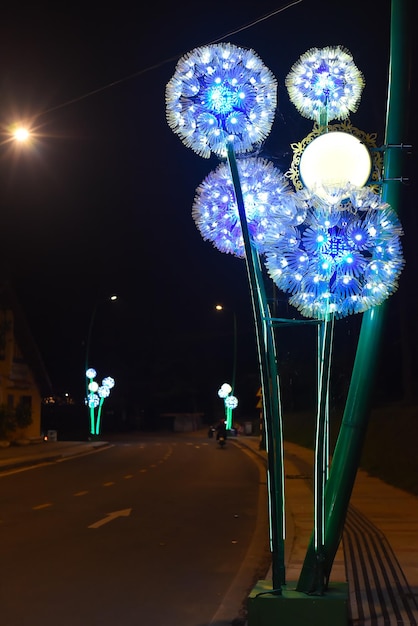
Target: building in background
x=23 y=377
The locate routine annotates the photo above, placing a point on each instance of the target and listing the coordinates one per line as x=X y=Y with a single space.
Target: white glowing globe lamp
x=91 y=373
x=335 y=159
x=93 y=386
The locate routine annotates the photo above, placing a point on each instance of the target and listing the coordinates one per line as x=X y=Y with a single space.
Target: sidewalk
x=393 y=511
x=15 y=456
x=380 y=535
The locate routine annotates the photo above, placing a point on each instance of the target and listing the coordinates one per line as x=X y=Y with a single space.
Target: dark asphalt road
x=152 y=531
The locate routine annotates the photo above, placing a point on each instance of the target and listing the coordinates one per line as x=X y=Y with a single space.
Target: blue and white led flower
x=342 y=260
x=270 y=206
x=325 y=79
x=93 y=400
x=231 y=402
x=103 y=391
x=108 y=382
x=221 y=93
x=91 y=373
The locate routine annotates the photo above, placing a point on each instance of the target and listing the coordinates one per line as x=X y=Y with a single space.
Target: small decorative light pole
x=96 y=397
x=230 y=402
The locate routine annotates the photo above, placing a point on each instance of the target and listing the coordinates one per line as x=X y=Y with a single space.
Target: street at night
x=208 y=304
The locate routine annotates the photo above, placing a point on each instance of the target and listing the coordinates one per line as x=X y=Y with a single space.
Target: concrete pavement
x=378 y=556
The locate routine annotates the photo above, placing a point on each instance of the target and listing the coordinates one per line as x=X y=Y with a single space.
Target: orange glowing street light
x=21 y=134
x=17 y=134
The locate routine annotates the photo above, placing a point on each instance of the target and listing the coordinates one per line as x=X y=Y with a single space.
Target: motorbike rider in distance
x=221 y=430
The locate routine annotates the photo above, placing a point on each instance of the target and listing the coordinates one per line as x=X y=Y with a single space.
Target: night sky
x=101 y=203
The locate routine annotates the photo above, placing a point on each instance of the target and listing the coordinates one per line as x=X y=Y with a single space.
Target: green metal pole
x=352 y=433
x=269 y=386
x=234 y=367
x=325 y=335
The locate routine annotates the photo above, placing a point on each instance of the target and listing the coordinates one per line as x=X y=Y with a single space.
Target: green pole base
x=293 y=608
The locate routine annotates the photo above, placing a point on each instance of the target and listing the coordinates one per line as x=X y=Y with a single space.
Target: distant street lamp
x=220 y=307
x=17 y=134
x=21 y=134
x=111 y=298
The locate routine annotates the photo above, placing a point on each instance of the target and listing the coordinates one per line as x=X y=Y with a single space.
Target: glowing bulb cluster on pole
x=221 y=93
x=328 y=79
x=96 y=396
x=231 y=402
x=270 y=206
x=345 y=258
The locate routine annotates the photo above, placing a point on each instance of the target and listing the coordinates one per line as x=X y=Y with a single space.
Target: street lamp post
x=350 y=440
x=88 y=369
x=111 y=298
x=220 y=307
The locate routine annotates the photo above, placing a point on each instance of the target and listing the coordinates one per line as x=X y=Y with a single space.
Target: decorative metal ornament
x=368 y=139
x=221 y=93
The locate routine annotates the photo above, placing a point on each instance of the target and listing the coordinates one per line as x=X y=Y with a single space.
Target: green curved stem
x=269 y=386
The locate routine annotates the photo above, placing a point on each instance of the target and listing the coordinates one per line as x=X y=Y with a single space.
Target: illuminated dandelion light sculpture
x=270 y=206
x=325 y=81
x=96 y=397
x=221 y=100
x=221 y=93
x=230 y=402
x=344 y=259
